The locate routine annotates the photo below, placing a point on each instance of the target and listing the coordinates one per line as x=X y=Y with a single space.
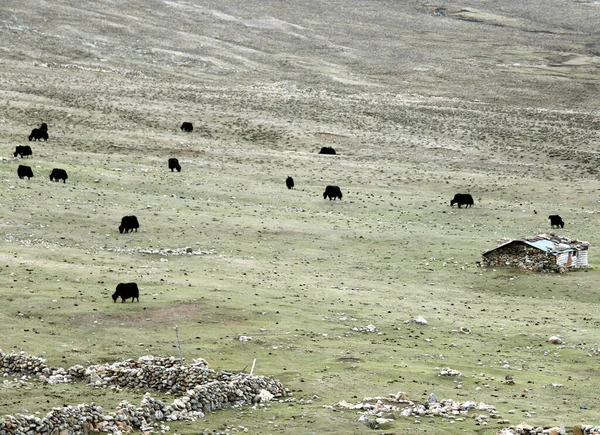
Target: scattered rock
x=447 y=371
x=398 y=405
x=368 y=328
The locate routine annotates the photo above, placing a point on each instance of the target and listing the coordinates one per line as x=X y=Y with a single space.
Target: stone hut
x=541 y=253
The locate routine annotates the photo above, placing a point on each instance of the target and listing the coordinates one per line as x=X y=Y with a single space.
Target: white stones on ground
x=383 y=421
x=265 y=395
x=399 y=405
x=368 y=328
x=420 y=320
x=165 y=252
x=447 y=371
x=400 y=395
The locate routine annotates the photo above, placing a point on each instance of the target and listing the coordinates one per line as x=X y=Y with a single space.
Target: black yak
x=289 y=182
x=38 y=134
x=187 y=126
x=23 y=150
x=332 y=192
x=58 y=174
x=327 y=150
x=24 y=171
x=556 y=221
x=126 y=291
x=174 y=164
x=128 y=223
x=462 y=199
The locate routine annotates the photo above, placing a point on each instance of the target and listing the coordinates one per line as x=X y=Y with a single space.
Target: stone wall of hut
x=522 y=257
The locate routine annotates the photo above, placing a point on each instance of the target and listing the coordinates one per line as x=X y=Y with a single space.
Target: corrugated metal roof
x=544 y=245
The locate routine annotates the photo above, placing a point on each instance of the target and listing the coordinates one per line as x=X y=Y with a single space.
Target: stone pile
x=447 y=371
x=397 y=405
x=368 y=328
x=527 y=429
x=200 y=390
x=376 y=412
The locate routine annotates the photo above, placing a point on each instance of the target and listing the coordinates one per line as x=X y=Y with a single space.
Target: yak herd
x=130 y=223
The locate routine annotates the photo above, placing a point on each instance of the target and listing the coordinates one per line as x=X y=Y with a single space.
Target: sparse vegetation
x=420 y=103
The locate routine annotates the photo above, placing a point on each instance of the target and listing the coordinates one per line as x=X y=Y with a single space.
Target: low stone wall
x=23 y=364
x=201 y=390
x=150 y=373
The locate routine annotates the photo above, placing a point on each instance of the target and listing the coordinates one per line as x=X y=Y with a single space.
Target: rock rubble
x=397 y=405
x=378 y=412
x=527 y=429
x=165 y=252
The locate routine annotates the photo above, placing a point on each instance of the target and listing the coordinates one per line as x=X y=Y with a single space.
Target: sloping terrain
x=421 y=100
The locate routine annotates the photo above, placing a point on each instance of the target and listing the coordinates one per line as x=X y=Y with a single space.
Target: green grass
x=294 y=272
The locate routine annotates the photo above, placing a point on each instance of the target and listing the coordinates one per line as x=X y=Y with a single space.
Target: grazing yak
x=126 y=291
x=38 y=134
x=289 y=182
x=174 y=164
x=556 y=221
x=128 y=223
x=187 y=126
x=462 y=199
x=24 y=171
x=327 y=150
x=23 y=150
x=332 y=192
x=58 y=174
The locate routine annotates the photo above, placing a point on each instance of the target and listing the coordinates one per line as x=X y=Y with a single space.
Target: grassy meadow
x=414 y=120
